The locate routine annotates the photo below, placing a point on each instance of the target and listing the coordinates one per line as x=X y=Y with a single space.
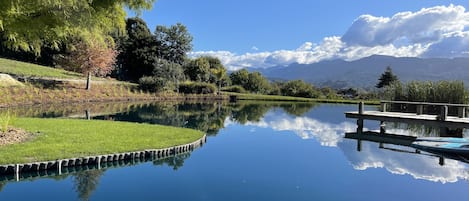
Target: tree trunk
x=88 y=81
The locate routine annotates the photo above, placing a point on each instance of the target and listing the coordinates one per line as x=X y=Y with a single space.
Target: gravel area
x=14 y=135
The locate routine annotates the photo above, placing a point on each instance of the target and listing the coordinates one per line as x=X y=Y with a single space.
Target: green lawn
x=70 y=138
x=27 y=69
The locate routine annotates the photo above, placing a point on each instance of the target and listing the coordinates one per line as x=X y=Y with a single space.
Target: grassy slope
x=64 y=138
x=32 y=70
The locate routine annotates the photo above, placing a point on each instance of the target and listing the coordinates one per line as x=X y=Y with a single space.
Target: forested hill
x=365 y=72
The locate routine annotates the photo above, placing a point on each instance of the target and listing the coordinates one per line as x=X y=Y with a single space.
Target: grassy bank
x=64 y=138
x=19 y=68
x=261 y=97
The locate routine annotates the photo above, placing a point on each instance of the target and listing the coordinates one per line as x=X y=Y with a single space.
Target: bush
x=299 y=88
x=151 y=83
x=234 y=88
x=197 y=88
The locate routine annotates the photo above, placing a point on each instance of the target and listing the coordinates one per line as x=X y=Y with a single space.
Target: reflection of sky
x=371 y=156
x=418 y=166
x=306 y=128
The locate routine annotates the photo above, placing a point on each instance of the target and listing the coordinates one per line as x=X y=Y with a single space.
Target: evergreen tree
x=137 y=51
x=386 y=78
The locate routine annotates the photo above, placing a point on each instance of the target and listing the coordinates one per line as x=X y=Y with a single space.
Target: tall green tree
x=31 y=24
x=138 y=50
x=386 y=78
x=198 y=69
x=257 y=83
x=220 y=76
x=174 y=42
x=240 y=77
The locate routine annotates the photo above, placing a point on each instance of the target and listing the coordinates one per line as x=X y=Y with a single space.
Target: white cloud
x=254 y=48
x=440 y=31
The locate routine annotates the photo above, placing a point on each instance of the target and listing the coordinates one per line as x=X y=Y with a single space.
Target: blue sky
x=249 y=30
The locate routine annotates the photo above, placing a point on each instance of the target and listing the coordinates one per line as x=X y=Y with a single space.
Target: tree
x=173 y=42
x=257 y=83
x=253 y=82
x=299 y=88
x=31 y=24
x=386 y=78
x=138 y=50
x=171 y=73
x=220 y=75
x=240 y=77
x=90 y=59
x=198 y=69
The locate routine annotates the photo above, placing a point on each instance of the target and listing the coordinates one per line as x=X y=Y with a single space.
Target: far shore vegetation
x=69 y=138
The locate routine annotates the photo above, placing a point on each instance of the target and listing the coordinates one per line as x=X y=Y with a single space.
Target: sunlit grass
x=68 y=138
x=27 y=69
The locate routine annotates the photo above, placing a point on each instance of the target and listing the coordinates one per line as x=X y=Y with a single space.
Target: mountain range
x=364 y=73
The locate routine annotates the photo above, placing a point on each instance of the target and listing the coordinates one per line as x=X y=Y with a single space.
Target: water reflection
x=327 y=134
x=206 y=117
x=403 y=161
x=86 y=182
x=322 y=123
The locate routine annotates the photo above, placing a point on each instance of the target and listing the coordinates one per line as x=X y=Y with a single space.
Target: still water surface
x=258 y=151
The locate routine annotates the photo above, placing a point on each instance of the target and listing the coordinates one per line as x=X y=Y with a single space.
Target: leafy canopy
x=30 y=24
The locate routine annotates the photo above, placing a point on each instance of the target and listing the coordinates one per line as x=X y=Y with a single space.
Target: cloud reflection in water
x=371 y=156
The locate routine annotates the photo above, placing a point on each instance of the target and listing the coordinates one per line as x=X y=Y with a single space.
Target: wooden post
x=382 y=127
x=360 y=126
x=419 y=109
x=441 y=161
x=461 y=112
x=17 y=172
x=359 y=145
x=59 y=167
x=443 y=113
x=361 y=108
x=384 y=106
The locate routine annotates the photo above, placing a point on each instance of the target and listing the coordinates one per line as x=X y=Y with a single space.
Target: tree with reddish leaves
x=90 y=59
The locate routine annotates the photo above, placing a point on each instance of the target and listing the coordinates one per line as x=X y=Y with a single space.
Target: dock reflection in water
x=395 y=154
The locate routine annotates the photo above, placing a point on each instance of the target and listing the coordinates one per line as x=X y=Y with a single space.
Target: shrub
x=6 y=118
x=234 y=88
x=150 y=83
x=197 y=88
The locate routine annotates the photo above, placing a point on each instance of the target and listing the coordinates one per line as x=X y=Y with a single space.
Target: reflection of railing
x=13 y=171
x=401 y=140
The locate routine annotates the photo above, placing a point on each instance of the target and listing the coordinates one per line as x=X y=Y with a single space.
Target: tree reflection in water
x=175 y=162
x=207 y=117
x=86 y=182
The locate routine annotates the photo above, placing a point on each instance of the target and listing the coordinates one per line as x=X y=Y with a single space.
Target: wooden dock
x=439 y=120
